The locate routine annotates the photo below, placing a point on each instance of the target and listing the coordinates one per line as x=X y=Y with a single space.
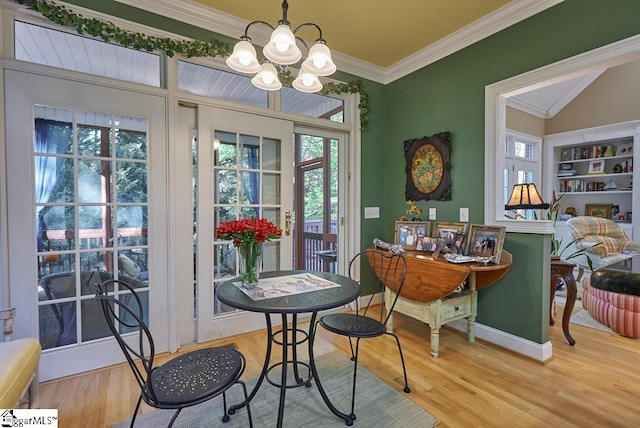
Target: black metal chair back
x=183 y=381
x=376 y=269
x=122 y=318
x=379 y=270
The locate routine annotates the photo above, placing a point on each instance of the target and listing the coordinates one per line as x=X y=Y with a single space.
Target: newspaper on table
x=288 y=285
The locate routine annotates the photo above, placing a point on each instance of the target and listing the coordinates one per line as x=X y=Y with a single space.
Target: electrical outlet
x=464 y=214
x=432 y=213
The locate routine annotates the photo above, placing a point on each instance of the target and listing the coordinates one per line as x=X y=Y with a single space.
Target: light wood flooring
x=596 y=383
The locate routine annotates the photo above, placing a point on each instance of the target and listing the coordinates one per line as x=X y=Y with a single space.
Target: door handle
x=287 y=222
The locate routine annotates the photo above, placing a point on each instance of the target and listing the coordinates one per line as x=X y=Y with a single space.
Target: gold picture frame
x=598 y=210
x=408 y=233
x=458 y=227
x=485 y=241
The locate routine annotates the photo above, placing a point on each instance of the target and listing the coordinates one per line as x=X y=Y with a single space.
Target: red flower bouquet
x=248 y=235
x=250 y=230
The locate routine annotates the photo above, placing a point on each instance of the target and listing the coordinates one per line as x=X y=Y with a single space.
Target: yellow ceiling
x=379 y=32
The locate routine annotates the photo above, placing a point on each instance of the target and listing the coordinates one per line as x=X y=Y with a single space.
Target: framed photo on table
x=427 y=243
x=485 y=241
x=458 y=227
x=408 y=233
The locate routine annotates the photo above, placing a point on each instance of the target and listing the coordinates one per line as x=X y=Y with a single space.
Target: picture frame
x=624 y=150
x=459 y=227
x=450 y=241
x=408 y=233
x=426 y=244
x=427 y=168
x=596 y=166
x=598 y=210
x=485 y=241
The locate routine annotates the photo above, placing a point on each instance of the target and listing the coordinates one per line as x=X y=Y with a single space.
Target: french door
x=244 y=169
x=86 y=198
x=318 y=192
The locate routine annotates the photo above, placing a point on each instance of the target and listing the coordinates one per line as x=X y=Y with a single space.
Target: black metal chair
x=382 y=269
x=184 y=381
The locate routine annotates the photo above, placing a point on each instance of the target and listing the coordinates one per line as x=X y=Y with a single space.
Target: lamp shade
x=282 y=48
x=267 y=78
x=525 y=196
x=243 y=58
x=319 y=60
x=307 y=81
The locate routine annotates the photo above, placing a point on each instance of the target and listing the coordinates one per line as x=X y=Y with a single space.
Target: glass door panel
x=316 y=193
x=85 y=179
x=241 y=171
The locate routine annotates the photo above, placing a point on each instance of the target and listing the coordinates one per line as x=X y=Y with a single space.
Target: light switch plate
x=464 y=214
x=432 y=213
x=371 y=212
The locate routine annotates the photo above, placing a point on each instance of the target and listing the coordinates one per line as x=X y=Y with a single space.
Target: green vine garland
x=109 y=32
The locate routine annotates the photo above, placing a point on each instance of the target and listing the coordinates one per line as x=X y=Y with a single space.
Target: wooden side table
x=564 y=270
x=429 y=284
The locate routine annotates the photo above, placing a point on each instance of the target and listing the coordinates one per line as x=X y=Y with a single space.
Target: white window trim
x=496 y=95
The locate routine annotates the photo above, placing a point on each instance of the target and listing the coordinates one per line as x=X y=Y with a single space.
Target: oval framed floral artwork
x=428 y=168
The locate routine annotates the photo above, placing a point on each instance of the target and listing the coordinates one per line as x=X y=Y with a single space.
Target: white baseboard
x=536 y=351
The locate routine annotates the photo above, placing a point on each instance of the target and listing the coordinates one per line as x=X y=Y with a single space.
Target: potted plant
x=559 y=251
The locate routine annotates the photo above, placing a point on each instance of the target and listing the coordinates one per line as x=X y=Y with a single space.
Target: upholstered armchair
x=603 y=240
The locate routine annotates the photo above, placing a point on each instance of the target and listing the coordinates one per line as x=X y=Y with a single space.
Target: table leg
x=435 y=341
x=314 y=373
x=572 y=293
x=283 y=378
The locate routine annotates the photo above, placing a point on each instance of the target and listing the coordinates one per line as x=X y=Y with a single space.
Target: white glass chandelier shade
x=307 y=81
x=243 y=58
x=267 y=78
x=319 y=60
x=282 y=48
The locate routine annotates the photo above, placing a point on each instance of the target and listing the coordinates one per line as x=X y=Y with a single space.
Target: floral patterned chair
x=604 y=240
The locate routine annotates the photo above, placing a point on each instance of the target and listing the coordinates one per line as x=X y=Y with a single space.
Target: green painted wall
x=449 y=96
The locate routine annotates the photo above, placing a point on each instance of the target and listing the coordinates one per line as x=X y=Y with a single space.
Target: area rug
x=583 y=318
x=377 y=404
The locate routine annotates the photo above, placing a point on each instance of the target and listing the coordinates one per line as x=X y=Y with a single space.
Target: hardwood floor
x=596 y=383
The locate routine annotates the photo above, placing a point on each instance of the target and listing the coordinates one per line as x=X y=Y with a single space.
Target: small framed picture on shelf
x=596 y=166
x=565 y=166
x=625 y=150
x=598 y=210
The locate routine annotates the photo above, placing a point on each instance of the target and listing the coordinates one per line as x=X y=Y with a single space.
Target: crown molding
x=527 y=107
x=510 y=14
x=204 y=17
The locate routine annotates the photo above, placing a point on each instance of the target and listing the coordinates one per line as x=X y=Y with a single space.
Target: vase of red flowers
x=248 y=235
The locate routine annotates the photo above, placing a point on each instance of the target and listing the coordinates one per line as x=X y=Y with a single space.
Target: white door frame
x=88 y=94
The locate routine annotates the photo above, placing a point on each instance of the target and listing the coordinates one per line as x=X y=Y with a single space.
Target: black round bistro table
x=309 y=302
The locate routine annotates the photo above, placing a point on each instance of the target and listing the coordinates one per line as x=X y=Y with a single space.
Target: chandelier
x=280 y=52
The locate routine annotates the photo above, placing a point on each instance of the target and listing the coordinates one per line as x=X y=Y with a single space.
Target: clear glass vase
x=250 y=256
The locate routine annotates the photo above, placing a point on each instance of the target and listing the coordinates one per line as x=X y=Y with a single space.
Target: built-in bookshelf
x=593 y=166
